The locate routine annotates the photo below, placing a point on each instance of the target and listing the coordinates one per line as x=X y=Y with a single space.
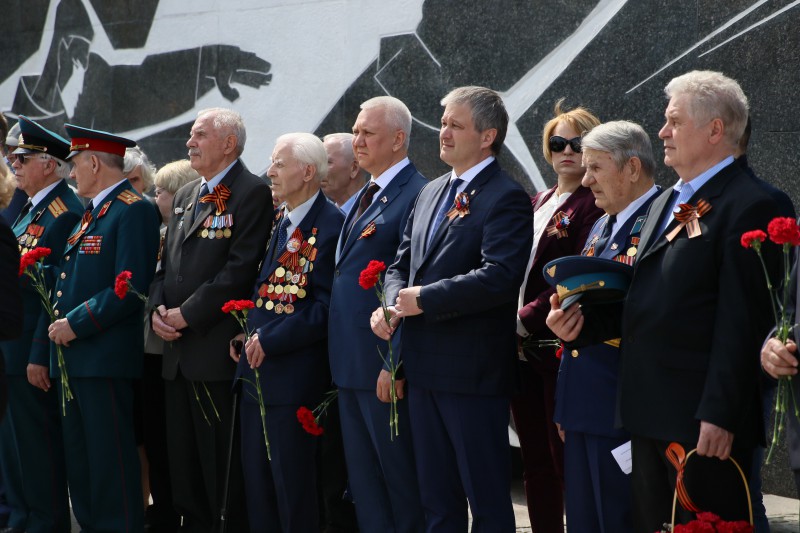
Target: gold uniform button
x=574 y=353
x=63 y=275
x=56 y=312
x=58 y=294
x=66 y=258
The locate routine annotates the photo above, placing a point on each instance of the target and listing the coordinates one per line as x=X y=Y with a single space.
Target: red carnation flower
x=309 y=423
x=784 y=230
x=121 y=284
x=708 y=517
x=242 y=305
x=29 y=259
x=370 y=275
x=753 y=239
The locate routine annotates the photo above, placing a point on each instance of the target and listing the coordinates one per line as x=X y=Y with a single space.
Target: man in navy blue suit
x=382 y=472
x=455 y=281
x=619 y=163
x=289 y=341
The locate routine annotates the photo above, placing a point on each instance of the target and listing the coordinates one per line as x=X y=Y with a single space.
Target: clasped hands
x=252 y=349
x=167 y=322
x=405 y=305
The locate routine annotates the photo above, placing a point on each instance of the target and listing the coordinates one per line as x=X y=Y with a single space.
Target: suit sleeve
x=202 y=310
x=10 y=297
x=135 y=252
x=508 y=228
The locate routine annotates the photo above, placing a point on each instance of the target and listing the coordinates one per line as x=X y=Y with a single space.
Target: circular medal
x=631 y=251
x=289 y=309
x=296 y=278
x=212 y=234
x=293 y=245
x=34 y=242
x=302 y=261
x=204 y=234
x=310 y=266
x=280 y=272
x=227 y=233
x=312 y=240
x=278 y=289
x=288 y=276
x=293 y=289
x=270 y=289
x=279 y=308
x=259 y=302
x=269 y=305
x=219 y=234
x=301 y=293
x=25 y=251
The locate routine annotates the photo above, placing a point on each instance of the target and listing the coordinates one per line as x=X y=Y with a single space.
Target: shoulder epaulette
x=129 y=197
x=57 y=207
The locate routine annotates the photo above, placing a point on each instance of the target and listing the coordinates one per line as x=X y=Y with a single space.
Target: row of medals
x=217 y=227
x=27 y=242
x=215 y=234
x=291 y=291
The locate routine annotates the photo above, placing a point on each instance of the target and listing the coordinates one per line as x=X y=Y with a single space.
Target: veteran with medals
x=619 y=163
x=198 y=275
x=289 y=341
x=101 y=334
x=31 y=452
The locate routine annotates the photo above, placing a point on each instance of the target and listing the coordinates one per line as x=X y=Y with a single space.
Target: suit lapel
x=568 y=207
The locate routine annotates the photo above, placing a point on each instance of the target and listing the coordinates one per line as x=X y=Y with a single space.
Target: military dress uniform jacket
x=199 y=274
x=465 y=341
x=122 y=235
x=695 y=317
x=586 y=390
x=291 y=313
x=355 y=362
x=48 y=225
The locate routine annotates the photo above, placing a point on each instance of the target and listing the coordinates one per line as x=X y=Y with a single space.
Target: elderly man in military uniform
x=100 y=334
x=619 y=163
x=31 y=454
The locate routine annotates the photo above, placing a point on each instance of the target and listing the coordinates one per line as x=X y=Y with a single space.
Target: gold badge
x=280 y=272
x=631 y=251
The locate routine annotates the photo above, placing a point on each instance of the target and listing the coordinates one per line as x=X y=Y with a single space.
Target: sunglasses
x=21 y=158
x=559 y=144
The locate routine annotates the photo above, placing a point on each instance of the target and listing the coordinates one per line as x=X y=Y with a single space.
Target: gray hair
x=307 y=149
x=62 y=167
x=228 y=119
x=135 y=157
x=488 y=110
x=713 y=95
x=622 y=139
x=175 y=175
x=111 y=160
x=398 y=117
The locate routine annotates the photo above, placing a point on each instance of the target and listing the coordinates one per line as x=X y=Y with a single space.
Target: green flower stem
x=210 y=399
x=389 y=361
x=197 y=398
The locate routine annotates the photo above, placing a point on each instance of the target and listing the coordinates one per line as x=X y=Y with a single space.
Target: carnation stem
x=197 y=397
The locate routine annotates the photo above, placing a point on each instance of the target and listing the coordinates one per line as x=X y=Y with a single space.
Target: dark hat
x=96 y=140
x=33 y=138
x=589 y=279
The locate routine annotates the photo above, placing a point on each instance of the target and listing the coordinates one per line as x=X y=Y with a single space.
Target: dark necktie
x=282 y=236
x=449 y=200
x=203 y=192
x=25 y=209
x=601 y=243
x=366 y=200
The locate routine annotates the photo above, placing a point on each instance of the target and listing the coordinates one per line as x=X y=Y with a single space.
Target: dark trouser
x=105 y=484
x=197 y=442
x=32 y=459
x=713 y=485
x=541 y=447
x=337 y=515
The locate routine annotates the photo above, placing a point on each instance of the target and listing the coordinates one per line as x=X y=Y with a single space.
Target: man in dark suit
x=30 y=436
x=455 y=281
x=382 y=472
x=288 y=345
x=101 y=334
x=697 y=309
x=215 y=239
x=619 y=165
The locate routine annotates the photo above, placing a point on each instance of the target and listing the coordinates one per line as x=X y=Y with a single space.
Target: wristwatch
x=419 y=302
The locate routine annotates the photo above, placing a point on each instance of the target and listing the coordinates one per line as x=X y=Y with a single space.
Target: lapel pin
x=178 y=210
x=384 y=200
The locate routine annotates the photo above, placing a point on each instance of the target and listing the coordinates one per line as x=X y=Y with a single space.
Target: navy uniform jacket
x=695 y=317
x=199 y=274
x=586 y=391
x=48 y=225
x=354 y=359
x=123 y=235
x=465 y=340
x=292 y=323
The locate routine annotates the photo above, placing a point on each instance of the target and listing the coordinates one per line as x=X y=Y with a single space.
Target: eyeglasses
x=21 y=158
x=559 y=144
